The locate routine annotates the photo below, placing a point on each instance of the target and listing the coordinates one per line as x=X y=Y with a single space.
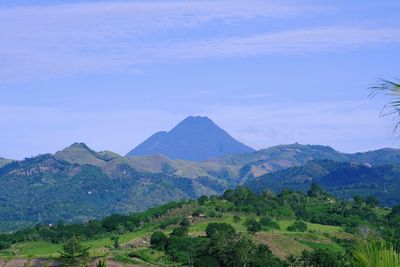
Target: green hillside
x=263 y=229
x=78 y=184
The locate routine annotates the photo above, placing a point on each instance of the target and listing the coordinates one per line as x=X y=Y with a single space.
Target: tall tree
x=74 y=254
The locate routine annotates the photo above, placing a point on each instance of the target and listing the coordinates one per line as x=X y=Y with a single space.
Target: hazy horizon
x=110 y=74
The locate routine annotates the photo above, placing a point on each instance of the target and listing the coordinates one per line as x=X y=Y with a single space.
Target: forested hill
x=343 y=179
x=239 y=228
x=78 y=184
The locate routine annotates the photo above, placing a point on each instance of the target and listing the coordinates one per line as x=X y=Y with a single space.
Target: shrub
x=297 y=226
x=267 y=222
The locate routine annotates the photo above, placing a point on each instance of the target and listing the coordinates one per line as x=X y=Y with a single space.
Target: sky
x=112 y=73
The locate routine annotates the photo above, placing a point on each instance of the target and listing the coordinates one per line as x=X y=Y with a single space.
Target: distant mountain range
x=79 y=184
x=195 y=138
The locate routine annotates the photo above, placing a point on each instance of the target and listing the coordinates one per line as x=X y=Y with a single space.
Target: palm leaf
x=392 y=90
x=373 y=253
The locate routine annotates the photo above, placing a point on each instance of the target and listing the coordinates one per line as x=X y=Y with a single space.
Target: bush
x=267 y=222
x=297 y=226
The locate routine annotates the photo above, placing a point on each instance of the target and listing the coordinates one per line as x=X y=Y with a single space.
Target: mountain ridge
x=84 y=184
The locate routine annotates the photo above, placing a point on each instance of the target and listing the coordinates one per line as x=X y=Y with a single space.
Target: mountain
x=195 y=138
x=343 y=179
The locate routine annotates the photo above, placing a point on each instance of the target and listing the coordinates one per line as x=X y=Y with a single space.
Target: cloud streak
x=104 y=37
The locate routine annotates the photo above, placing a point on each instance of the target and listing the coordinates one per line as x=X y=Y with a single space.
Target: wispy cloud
x=104 y=37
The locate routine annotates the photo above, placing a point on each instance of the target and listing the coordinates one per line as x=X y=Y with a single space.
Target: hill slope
x=195 y=138
x=343 y=179
x=4 y=161
x=72 y=192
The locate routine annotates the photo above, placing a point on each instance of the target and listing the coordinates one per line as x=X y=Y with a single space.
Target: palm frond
x=390 y=89
x=373 y=253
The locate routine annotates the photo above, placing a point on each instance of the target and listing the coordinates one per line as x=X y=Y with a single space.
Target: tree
x=158 y=240
x=372 y=201
x=267 y=222
x=315 y=190
x=253 y=226
x=116 y=242
x=202 y=200
x=180 y=232
x=74 y=254
x=185 y=222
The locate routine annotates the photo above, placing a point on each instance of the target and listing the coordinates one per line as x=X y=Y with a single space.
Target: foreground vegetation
x=239 y=228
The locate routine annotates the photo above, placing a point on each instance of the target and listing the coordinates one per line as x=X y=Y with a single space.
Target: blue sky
x=111 y=73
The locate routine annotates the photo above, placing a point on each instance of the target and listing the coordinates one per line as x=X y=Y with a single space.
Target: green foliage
x=315 y=190
x=214 y=229
x=206 y=261
x=323 y=258
x=253 y=226
x=297 y=226
x=74 y=254
x=116 y=244
x=92 y=229
x=180 y=232
x=268 y=223
x=158 y=240
x=236 y=250
x=236 y=219
x=185 y=223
